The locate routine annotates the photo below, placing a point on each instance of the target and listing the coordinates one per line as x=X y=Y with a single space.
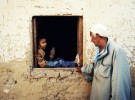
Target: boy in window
x=43 y=63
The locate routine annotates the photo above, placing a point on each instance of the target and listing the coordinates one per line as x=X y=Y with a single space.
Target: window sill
x=54 y=68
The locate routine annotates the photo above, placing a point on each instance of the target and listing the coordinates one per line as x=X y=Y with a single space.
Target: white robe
x=111 y=80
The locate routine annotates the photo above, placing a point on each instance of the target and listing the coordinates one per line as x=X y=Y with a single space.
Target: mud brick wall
x=19 y=82
x=42 y=84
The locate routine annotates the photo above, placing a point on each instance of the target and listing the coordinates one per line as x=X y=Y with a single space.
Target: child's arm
x=40 y=58
x=52 y=53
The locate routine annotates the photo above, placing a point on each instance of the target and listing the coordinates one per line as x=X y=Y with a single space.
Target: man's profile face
x=95 y=39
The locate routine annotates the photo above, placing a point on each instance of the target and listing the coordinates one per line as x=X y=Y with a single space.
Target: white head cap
x=100 y=29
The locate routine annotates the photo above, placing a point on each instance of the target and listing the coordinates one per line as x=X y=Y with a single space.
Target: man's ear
x=97 y=35
x=90 y=33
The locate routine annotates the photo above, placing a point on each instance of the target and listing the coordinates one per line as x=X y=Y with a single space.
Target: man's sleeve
x=87 y=72
x=87 y=69
x=121 y=82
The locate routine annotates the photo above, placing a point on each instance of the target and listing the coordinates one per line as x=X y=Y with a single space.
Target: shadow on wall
x=132 y=70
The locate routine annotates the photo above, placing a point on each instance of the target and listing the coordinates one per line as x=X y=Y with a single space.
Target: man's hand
x=78 y=69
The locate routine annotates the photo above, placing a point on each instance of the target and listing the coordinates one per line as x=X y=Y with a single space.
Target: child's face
x=43 y=43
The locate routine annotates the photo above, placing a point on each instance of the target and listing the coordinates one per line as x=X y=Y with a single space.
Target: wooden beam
x=80 y=38
x=34 y=42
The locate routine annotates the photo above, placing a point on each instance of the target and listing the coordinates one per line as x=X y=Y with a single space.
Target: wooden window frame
x=79 y=39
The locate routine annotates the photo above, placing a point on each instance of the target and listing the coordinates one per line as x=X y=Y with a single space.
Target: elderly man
x=111 y=73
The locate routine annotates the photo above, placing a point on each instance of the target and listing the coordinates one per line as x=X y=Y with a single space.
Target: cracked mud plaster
x=16 y=81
